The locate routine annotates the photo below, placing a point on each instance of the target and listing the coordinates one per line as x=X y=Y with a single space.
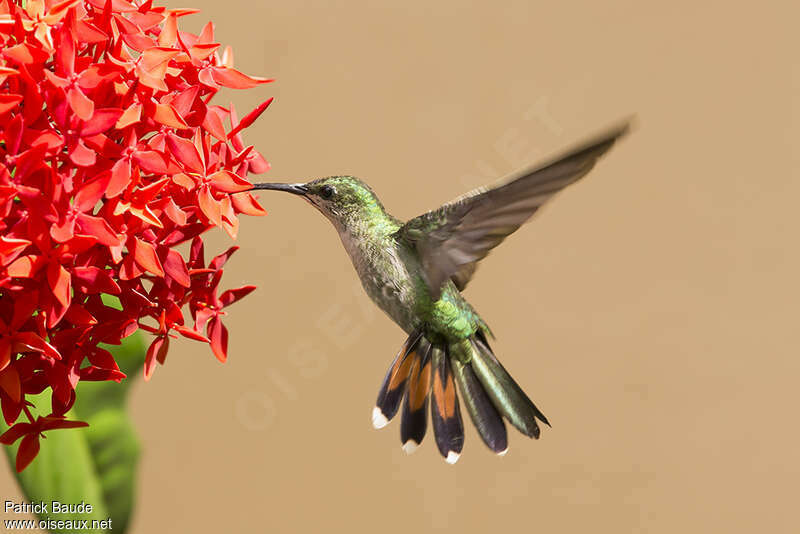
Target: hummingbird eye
x=327 y=191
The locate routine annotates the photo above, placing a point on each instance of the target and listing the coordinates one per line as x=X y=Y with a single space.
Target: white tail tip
x=452 y=457
x=503 y=452
x=378 y=419
x=410 y=446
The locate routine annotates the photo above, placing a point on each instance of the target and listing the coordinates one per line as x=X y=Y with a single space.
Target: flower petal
x=98 y=228
x=10 y=248
x=82 y=156
x=64 y=230
x=227 y=182
x=167 y=115
x=257 y=164
x=26 y=266
x=251 y=117
x=5 y=352
x=232 y=295
x=218 y=261
x=151 y=161
x=218 y=335
x=32 y=341
x=191 y=334
x=156 y=351
x=120 y=178
x=60 y=283
x=175 y=267
x=96 y=280
x=80 y=103
x=145 y=255
x=54 y=422
x=91 y=192
x=9 y=101
x=100 y=121
x=213 y=125
x=234 y=79
x=210 y=206
x=11 y=435
x=78 y=315
x=131 y=115
x=185 y=100
x=10 y=383
x=28 y=449
x=186 y=153
x=245 y=203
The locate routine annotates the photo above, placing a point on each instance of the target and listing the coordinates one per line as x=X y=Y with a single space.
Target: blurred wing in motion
x=452 y=239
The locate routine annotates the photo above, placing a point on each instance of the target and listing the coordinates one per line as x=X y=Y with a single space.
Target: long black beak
x=295 y=189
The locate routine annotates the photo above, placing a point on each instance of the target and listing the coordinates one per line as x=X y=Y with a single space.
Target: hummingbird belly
x=391 y=275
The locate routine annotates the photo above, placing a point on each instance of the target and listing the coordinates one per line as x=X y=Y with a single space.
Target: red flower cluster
x=111 y=155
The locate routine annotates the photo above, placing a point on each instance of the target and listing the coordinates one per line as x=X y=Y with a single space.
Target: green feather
x=505 y=393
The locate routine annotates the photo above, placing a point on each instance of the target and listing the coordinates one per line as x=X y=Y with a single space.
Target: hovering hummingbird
x=415 y=272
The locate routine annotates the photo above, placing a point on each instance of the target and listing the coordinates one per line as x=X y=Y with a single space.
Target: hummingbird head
x=345 y=200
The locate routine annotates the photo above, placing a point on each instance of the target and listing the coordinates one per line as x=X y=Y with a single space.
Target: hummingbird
x=416 y=271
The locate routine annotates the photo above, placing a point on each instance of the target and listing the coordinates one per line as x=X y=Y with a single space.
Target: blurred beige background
x=651 y=311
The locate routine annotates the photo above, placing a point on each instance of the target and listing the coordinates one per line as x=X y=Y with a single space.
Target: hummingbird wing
x=452 y=239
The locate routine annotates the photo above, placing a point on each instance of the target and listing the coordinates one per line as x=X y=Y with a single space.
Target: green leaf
x=97 y=464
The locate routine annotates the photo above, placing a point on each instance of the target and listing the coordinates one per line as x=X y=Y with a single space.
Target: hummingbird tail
x=393 y=387
x=506 y=395
x=408 y=379
x=422 y=369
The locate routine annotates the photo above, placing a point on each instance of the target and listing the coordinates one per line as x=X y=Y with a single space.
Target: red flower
x=111 y=155
x=30 y=434
x=206 y=306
